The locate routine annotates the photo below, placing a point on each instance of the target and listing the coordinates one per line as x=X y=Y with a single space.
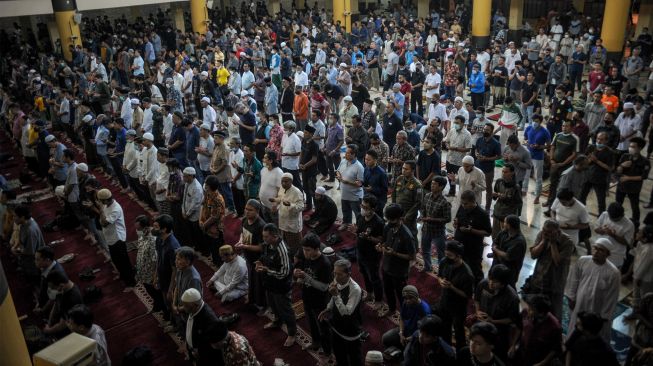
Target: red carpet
x=123 y=315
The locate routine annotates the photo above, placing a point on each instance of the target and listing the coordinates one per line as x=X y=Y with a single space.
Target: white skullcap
x=206 y=126
x=82 y=167
x=59 y=191
x=374 y=357
x=342 y=64
x=49 y=138
x=468 y=160
x=191 y=295
x=604 y=243
x=347 y=99
x=320 y=190
x=204 y=73
x=629 y=105
x=300 y=134
x=148 y=136
x=244 y=93
x=87 y=118
x=458 y=99
x=287 y=175
x=189 y=170
x=283 y=44
x=206 y=100
x=135 y=101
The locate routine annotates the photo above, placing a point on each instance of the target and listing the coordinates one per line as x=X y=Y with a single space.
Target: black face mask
x=156 y=232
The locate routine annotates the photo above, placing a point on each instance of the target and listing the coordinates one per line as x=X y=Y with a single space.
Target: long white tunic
x=595 y=288
x=290 y=217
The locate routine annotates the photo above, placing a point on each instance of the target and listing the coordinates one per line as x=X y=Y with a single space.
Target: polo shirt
x=351 y=171
x=488 y=149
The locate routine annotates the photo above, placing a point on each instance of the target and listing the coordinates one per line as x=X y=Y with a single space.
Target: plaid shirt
x=384 y=151
x=436 y=207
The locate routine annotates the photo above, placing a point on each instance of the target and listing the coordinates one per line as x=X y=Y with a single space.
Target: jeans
x=554 y=180
x=428 y=239
x=477 y=100
x=348 y=207
x=450 y=92
x=527 y=112
x=633 y=197
x=538 y=172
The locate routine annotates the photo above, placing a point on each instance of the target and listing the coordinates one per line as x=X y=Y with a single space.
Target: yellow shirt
x=223 y=76
x=39 y=104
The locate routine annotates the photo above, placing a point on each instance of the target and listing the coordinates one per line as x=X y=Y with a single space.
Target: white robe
x=594 y=288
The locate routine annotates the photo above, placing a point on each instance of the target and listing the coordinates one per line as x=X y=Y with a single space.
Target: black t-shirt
x=597 y=174
x=640 y=167
x=252 y=235
x=616 y=83
x=320 y=270
x=461 y=277
x=427 y=163
x=247 y=136
x=401 y=241
x=589 y=351
x=499 y=71
x=373 y=228
x=309 y=151
x=478 y=219
x=528 y=90
x=465 y=358
x=65 y=302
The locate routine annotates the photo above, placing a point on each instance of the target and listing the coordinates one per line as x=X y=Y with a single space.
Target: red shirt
x=596 y=78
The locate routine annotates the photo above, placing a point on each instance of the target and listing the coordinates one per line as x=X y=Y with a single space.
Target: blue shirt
x=377 y=179
x=401 y=100
x=478 y=80
x=488 y=149
x=412 y=314
x=178 y=134
x=192 y=141
x=537 y=136
x=121 y=140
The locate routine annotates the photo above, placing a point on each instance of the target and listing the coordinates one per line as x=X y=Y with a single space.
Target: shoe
x=230 y=319
x=650 y=205
x=311 y=347
x=545 y=204
x=289 y=341
x=536 y=201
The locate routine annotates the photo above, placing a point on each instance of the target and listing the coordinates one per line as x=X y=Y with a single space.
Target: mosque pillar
x=12 y=344
x=579 y=5
x=515 y=18
x=199 y=16
x=481 y=18
x=613 y=30
x=422 y=9
x=645 y=16
x=342 y=13
x=64 y=11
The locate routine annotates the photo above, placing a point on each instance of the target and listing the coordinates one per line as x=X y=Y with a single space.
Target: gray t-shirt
x=535 y=53
x=72 y=183
x=393 y=63
x=30 y=237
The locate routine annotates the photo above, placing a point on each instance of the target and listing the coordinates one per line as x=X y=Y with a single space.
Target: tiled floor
x=532 y=218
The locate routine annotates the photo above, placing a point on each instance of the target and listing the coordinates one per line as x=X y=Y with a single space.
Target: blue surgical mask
x=599 y=146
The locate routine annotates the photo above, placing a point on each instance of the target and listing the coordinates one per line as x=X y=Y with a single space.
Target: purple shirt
x=334 y=136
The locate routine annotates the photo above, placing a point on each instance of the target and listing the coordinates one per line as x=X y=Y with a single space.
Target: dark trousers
x=322 y=164
x=309 y=180
x=473 y=256
x=416 y=105
x=333 y=162
x=225 y=191
x=256 y=289
x=453 y=318
x=138 y=189
x=634 y=203
x=452 y=168
x=157 y=297
x=239 y=199
x=320 y=331
x=393 y=287
x=120 y=258
x=195 y=236
x=601 y=190
x=388 y=82
x=348 y=353
x=477 y=100
x=213 y=245
x=296 y=181
x=116 y=163
x=281 y=305
x=554 y=180
x=369 y=268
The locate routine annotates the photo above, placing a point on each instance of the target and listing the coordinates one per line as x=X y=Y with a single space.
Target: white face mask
x=52 y=294
x=632 y=151
x=458 y=127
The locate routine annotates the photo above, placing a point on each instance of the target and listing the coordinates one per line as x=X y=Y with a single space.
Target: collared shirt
x=335 y=135
x=146 y=259
x=213 y=207
x=192 y=200
x=290 y=217
x=351 y=171
x=115 y=229
x=403 y=152
x=487 y=148
x=30 y=237
x=436 y=207
x=72 y=184
x=290 y=144
x=458 y=139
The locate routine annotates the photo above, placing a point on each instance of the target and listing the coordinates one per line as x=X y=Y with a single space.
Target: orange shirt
x=611 y=102
x=300 y=107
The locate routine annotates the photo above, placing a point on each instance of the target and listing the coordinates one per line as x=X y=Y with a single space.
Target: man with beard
x=326 y=212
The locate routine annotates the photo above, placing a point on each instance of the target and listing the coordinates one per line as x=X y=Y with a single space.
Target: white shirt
x=162 y=181
x=150 y=165
x=188 y=81
x=209 y=116
x=178 y=80
x=115 y=231
x=291 y=144
x=290 y=217
x=472 y=181
x=432 y=42
x=624 y=228
x=626 y=127
x=126 y=113
x=270 y=184
x=301 y=79
x=576 y=214
x=306 y=47
x=483 y=58
x=167 y=126
x=432 y=80
x=147 y=119
x=459 y=112
x=231 y=276
x=438 y=110
x=237 y=157
x=203 y=160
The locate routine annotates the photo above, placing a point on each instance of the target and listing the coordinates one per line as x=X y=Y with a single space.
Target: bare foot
x=289 y=341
